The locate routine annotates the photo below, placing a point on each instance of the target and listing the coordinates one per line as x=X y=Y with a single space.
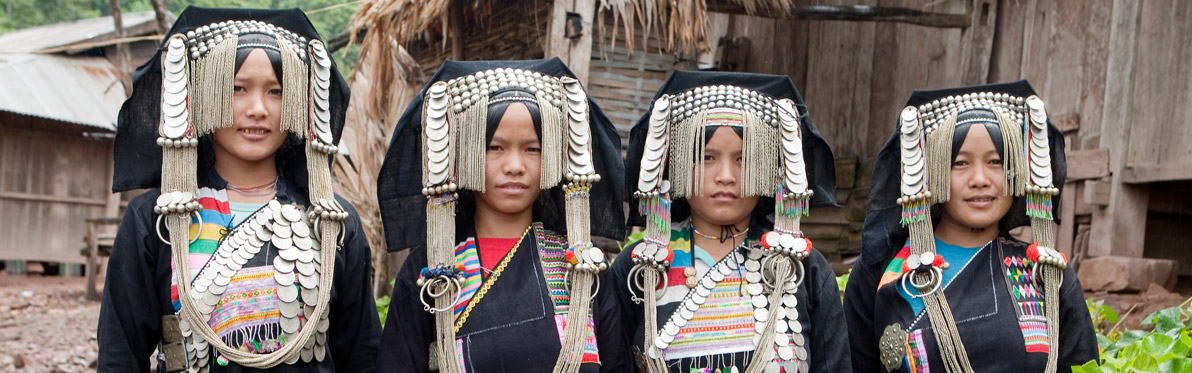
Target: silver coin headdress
x=455 y=114
x=772 y=166
x=925 y=139
x=198 y=70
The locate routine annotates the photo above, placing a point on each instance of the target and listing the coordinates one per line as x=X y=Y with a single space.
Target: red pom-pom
x=938 y=262
x=571 y=256
x=1032 y=252
x=670 y=255
x=809 y=246
x=905 y=269
x=1065 y=256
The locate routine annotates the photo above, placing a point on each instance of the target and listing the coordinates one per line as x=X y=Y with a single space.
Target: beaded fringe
x=471 y=149
x=571 y=355
x=939 y=161
x=551 y=142
x=650 y=278
x=1015 y=161
x=295 y=91
x=211 y=102
x=760 y=156
x=1043 y=232
x=683 y=156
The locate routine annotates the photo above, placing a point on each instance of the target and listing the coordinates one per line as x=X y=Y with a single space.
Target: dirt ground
x=46 y=325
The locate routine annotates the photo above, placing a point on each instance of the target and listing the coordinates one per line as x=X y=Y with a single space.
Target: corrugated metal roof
x=66 y=33
x=82 y=90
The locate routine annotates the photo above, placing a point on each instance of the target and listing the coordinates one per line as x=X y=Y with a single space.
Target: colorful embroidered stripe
x=551 y=249
x=723 y=324
x=1034 y=333
x=467 y=255
x=894 y=269
x=916 y=353
x=722 y=117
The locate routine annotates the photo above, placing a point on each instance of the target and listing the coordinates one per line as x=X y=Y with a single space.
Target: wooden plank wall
x=513 y=30
x=49 y=166
x=623 y=81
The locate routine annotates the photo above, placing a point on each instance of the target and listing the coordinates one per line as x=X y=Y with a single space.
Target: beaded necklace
x=266 y=189
x=720 y=238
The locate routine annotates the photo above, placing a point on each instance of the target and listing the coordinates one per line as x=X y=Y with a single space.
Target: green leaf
x=1109 y=313
x=1166 y=321
x=1176 y=365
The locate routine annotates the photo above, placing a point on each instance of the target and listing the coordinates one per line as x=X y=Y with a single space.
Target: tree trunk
x=121 y=49
x=162 y=13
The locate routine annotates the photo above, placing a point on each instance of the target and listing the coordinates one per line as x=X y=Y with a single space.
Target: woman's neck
x=491 y=223
x=720 y=247
x=240 y=174
x=953 y=233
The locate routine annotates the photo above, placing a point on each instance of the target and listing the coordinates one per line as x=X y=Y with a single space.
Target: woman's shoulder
x=1012 y=246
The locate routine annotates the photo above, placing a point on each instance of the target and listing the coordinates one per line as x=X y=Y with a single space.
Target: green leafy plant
x=383 y=305
x=1167 y=347
x=841 y=282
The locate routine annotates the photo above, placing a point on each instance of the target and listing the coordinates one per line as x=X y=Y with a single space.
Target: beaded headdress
x=925 y=140
x=196 y=71
x=773 y=139
x=450 y=121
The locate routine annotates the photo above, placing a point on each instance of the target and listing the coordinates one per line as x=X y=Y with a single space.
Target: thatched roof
x=683 y=23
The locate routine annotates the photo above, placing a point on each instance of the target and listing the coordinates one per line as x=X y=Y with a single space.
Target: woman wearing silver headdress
x=716 y=284
x=496 y=178
x=941 y=285
x=241 y=258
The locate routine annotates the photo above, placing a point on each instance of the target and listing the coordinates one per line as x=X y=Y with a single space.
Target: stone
x=1125 y=274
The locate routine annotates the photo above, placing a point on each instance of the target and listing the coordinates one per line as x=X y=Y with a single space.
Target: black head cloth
x=139 y=159
x=820 y=167
x=399 y=186
x=883 y=234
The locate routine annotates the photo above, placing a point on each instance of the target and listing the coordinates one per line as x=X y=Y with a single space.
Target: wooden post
x=978 y=41
x=162 y=14
x=1120 y=228
x=92 y=261
x=456 y=18
x=122 y=48
x=576 y=50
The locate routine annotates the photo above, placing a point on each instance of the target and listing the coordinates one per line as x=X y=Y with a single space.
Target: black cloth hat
x=137 y=156
x=399 y=186
x=821 y=168
x=883 y=234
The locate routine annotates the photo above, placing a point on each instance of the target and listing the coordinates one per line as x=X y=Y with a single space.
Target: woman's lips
x=980 y=202
x=513 y=188
x=254 y=134
x=723 y=196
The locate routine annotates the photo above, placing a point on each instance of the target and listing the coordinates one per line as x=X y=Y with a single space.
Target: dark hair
x=250 y=42
x=497 y=111
x=966 y=120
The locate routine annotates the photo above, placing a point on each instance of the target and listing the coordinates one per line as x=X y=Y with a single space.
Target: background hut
x=1108 y=70
x=62 y=88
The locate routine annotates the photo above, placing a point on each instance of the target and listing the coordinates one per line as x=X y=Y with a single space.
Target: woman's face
x=721 y=202
x=512 y=164
x=255 y=134
x=976 y=200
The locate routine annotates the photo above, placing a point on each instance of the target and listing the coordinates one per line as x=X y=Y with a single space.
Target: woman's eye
x=995 y=162
x=708 y=158
x=275 y=92
x=493 y=148
x=740 y=159
x=534 y=150
x=959 y=163
x=239 y=88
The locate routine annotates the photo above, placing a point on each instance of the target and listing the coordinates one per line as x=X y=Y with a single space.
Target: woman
x=488 y=180
x=941 y=283
x=725 y=288
x=241 y=258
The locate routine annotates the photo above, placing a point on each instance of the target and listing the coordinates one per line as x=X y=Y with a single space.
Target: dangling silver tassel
x=759 y=156
x=682 y=174
x=939 y=158
x=551 y=142
x=295 y=90
x=1012 y=147
x=471 y=145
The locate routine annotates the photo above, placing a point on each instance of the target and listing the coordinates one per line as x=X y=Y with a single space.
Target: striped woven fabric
x=466 y=254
